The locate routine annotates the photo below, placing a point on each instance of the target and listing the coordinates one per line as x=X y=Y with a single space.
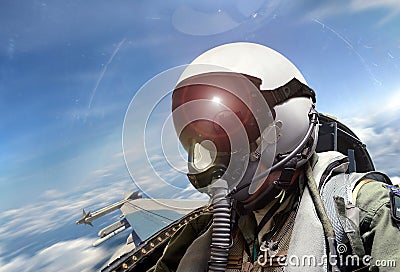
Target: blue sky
x=69 y=69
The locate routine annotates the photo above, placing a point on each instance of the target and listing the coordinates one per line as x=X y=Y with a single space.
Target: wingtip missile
x=132 y=195
x=85 y=219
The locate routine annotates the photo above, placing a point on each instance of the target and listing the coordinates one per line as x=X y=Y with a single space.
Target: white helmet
x=294 y=101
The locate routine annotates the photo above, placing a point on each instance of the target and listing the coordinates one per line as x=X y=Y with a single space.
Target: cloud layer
x=356 y=6
x=380 y=130
x=73 y=255
x=43 y=236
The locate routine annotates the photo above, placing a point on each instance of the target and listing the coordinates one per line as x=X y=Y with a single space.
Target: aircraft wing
x=148 y=216
x=143 y=217
x=148 y=252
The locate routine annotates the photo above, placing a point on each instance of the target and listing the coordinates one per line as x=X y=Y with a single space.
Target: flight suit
x=371 y=232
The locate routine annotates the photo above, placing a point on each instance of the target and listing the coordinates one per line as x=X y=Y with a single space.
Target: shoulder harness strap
x=337 y=189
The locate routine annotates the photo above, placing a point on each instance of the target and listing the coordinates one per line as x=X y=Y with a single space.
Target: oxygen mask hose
x=221 y=226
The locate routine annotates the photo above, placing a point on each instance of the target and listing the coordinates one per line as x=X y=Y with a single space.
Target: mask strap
x=294 y=88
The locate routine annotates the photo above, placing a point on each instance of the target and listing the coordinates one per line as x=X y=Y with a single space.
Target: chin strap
x=287 y=175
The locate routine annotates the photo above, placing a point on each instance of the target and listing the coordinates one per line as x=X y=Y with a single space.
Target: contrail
x=104 y=71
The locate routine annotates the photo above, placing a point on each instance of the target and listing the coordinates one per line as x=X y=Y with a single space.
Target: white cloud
x=380 y=131
x=395 y=179
x=52 y=193
x=52 y=213
x=72 y=255
x=191 y=193
x=360 y=5
x=392 y=6
x=55 y=211
x=355 y=6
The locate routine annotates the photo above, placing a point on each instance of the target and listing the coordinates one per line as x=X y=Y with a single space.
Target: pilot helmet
x=242 y=110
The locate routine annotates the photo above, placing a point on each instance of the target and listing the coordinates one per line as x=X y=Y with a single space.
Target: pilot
x=247 y=119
